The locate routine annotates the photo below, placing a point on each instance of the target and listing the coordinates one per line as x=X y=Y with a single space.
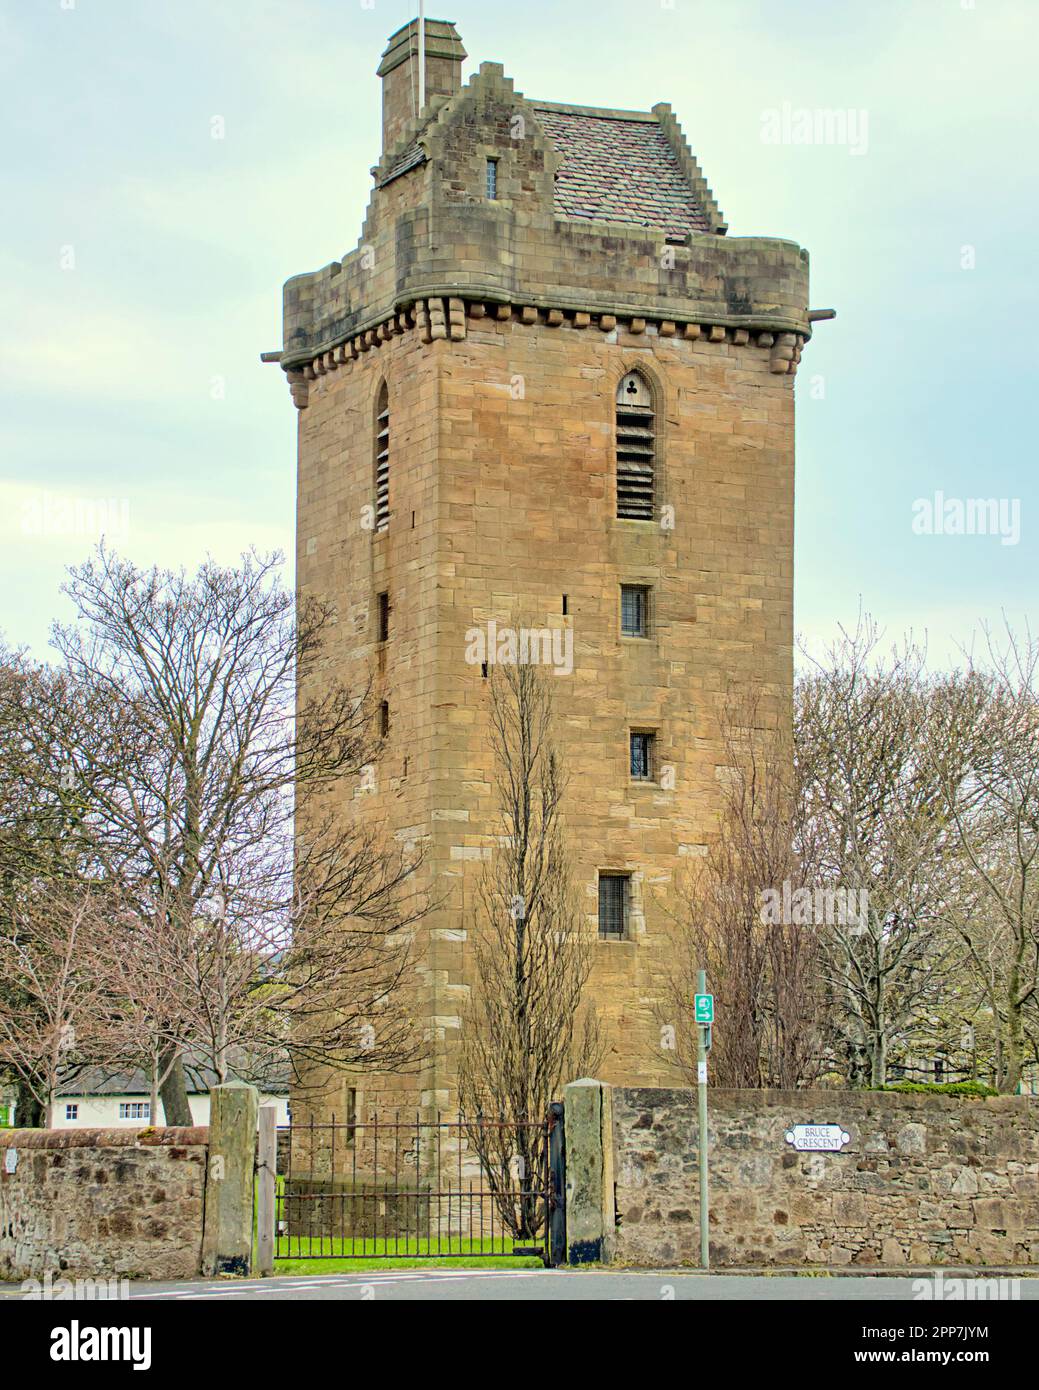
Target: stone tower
x=546 y=384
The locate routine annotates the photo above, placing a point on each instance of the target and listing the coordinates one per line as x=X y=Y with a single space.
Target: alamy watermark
x=814 y=907
x=803 y=125
x=968 y=516
x=526 y=646
x=60 y=514
x=80 y=1342
x=966 y=1290
x=57 y=1288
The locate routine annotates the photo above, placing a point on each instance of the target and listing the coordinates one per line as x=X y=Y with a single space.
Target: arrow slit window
x=636 y=448
x=382 y=459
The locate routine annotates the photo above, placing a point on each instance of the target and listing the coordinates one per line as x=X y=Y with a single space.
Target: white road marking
x=334 y=1281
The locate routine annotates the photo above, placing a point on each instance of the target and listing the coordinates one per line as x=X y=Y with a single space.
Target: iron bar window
x=634 y=610
x=613 y=906
x=641 y=756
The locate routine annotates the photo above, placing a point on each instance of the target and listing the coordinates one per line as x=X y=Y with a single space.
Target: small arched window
x=382 y=459
x=636 y=448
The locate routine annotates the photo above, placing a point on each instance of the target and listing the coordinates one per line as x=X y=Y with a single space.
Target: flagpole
x=421 y=56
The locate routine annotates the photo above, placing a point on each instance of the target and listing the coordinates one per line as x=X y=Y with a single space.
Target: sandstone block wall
x=502 y=502
x=102 y=1203
x=924 y=1181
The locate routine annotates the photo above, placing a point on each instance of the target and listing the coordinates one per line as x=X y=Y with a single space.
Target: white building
x=103 y=1100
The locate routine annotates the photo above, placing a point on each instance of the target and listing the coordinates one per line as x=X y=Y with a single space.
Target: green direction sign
x=704 y=1005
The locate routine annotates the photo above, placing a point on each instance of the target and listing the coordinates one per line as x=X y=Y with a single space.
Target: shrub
x=970 y=1089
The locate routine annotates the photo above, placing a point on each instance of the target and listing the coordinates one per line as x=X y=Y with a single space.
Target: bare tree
x=192 y=766
x=875 y=813
x=317 y=972
x=764 y=971
x=527 y=1030
x=987 y=763
x=55 y=1020
x=37 y=818
x=146 y=1001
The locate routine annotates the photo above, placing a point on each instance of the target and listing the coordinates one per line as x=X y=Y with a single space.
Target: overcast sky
x=141 y=261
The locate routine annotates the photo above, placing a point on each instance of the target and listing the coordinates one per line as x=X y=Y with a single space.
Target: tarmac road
x=417 y=1285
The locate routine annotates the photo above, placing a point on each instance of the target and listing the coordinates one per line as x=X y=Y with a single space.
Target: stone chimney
x=399 y=73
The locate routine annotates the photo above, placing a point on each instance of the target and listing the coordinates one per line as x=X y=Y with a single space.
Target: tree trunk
x=1015 y=1040
x=174 y=1091
x=878 y=1067
x=28 y=1112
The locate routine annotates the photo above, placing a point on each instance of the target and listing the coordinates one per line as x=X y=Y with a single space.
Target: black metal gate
x=404 y=1186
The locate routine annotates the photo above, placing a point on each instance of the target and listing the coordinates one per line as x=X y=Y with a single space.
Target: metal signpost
x=703 y=1011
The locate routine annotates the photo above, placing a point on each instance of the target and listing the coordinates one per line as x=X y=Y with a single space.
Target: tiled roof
x=620 y=169
x=101 y=1081
x=411 y=155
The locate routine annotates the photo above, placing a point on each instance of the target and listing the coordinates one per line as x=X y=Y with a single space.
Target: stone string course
x=440 y=318
x=924 y=1181
x=102 y=1203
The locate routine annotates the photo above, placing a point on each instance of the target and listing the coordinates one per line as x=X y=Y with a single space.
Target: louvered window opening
x=382 y=463
x=636 y=449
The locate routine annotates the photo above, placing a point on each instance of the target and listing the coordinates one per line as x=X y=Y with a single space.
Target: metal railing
x=404 y=1186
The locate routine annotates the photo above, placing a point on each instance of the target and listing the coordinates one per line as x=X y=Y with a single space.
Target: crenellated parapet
x=433 y=235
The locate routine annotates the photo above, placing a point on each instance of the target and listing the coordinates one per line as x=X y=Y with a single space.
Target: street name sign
x=818 y=1138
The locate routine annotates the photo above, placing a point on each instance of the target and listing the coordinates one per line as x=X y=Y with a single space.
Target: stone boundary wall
x=102 y=1202
x=924 y=1180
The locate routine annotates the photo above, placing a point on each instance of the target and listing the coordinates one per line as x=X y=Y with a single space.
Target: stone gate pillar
x=590 y=1217
x=227 y=1236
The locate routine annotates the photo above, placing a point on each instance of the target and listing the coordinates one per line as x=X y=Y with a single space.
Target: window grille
x=613 y=906
x=634 y=610
x=642 y=756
